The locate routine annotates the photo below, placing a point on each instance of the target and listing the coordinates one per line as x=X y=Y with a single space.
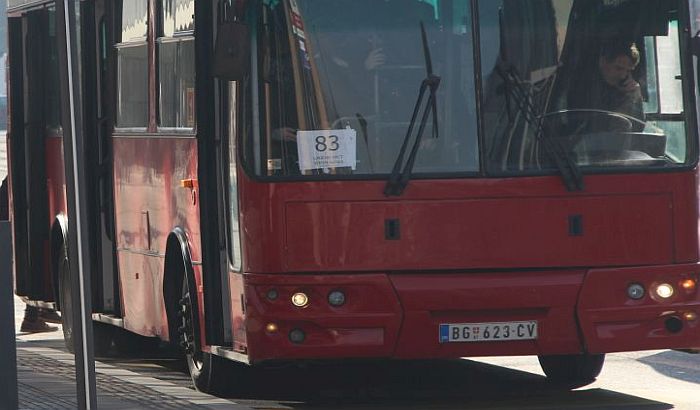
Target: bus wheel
x=574 y=370
x=204 y=367
x=66 y=297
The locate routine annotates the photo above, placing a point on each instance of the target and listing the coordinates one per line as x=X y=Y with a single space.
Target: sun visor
x=636 y=18
x=654 y=17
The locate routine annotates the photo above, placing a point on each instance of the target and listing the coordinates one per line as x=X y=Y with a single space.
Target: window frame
x=689 y=118
x=177 y=37
x=250 y=158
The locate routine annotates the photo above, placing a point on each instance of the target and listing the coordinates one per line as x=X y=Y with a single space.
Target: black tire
x=574 y=370
x=66 y=297
x=206 y=370
x=108 y=340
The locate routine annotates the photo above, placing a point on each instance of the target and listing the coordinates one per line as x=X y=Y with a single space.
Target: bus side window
x=664 y=85
x=132 y=66
x=176 y=97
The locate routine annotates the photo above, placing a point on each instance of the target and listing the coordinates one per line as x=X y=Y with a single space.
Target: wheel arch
x=177 y=267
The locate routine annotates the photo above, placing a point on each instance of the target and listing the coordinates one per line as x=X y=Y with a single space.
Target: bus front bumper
x=400 y=315
x=665 y=316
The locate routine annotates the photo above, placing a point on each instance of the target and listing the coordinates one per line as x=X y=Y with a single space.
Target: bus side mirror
x=232 y=51
x=695 y=44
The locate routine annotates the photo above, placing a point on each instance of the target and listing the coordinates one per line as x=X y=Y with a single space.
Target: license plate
x=488 y=332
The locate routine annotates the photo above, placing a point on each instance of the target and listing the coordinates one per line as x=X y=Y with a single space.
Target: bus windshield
x=599 y=83
x=339 y=80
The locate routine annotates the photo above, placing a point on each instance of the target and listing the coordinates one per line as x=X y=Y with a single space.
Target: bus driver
x=612 y=88
x=620 y=92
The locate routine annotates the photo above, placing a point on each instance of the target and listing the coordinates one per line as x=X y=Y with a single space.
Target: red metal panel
x=147 y=175
x=496 y=233
x=399 y=316
x=238 y=324
x=430 y=300
x=518 y=222
x=459 y=226
x=611 y=321
x=149 y=203
x=56 y=180
x=141 y=280
x=365 y=326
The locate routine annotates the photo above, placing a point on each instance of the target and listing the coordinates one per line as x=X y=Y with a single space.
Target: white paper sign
x=323 y=149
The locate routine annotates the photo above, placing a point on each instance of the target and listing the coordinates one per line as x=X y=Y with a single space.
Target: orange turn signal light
x=189 y=183
x=688 y=284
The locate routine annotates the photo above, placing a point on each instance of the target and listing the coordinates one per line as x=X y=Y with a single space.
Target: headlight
x=300 y=299
x=664 y=290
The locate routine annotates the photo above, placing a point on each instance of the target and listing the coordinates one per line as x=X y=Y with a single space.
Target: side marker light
x=690 y=316
x=272 y=294
x=635 y=291
x=336 y=298
x=297 y=336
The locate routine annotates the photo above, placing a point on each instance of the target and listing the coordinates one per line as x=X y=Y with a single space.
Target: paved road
x=653 y=380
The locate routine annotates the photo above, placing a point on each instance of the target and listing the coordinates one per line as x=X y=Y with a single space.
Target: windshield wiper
x=569 y=170
x=399 y=178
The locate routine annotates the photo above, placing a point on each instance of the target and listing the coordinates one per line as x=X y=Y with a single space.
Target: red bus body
x=492 y=228
x=447 y=251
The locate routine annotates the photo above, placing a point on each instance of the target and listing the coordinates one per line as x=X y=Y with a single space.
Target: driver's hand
x=375 y=58
x=629 y=85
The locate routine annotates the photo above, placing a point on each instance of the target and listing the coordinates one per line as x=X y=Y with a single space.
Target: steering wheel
x=626 y=122
x=624 y=137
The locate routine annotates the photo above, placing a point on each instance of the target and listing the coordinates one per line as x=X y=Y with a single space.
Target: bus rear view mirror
x=232 y=51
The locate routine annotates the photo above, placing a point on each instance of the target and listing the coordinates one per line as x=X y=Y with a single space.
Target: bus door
x=97 y=78
x=29 y=43
x=229 y=110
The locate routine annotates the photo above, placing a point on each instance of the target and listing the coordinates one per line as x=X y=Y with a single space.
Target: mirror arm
x=695 y=44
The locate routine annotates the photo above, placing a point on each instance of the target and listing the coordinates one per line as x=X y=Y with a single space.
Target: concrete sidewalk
x=46 y=380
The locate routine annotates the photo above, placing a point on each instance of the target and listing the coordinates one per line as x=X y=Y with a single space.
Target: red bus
x=287 y=180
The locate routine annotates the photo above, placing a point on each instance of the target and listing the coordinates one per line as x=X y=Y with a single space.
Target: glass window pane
x=651 y=104
x=235 y=251
x=176 y=78
x=134 y=19
x=178 y=16
x=354 y=68
x=132 y=86
x=669 y=57
x=582 y=81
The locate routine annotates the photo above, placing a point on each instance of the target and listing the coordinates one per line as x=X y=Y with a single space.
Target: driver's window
x=664 y=105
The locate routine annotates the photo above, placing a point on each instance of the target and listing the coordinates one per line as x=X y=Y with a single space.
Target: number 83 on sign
x=321 y=149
